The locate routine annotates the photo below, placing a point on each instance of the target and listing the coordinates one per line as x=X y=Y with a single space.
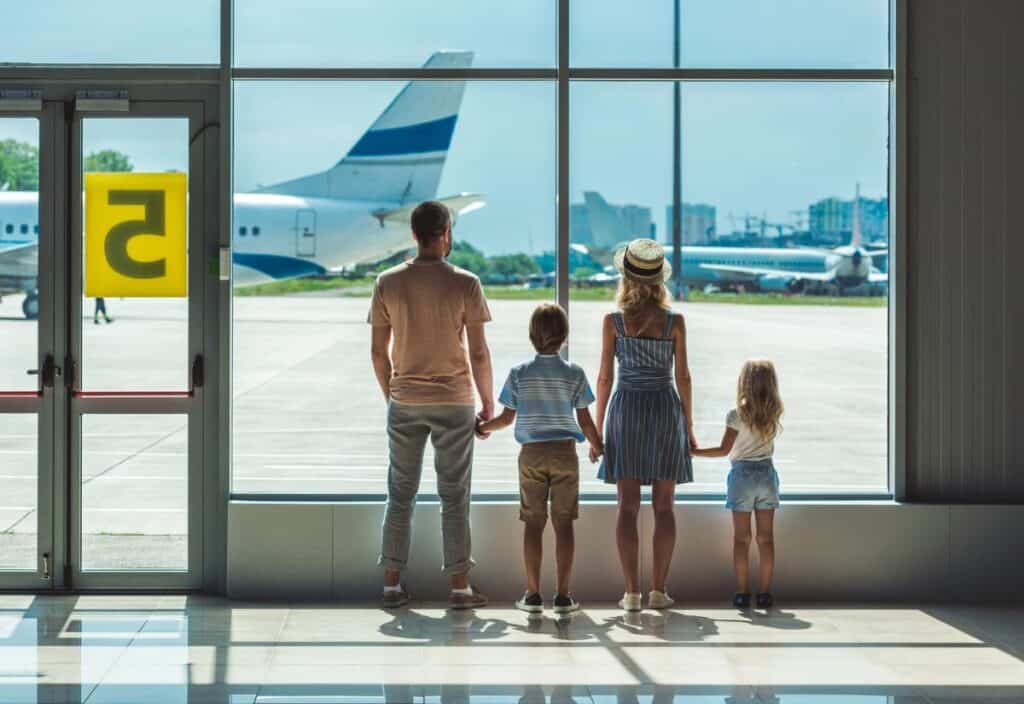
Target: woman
x=648 y=436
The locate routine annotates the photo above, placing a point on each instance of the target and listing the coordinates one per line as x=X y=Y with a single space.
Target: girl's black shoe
x=764 y=600
x=741 y=600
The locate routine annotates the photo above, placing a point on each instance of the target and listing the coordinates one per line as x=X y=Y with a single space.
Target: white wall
x=826 y=552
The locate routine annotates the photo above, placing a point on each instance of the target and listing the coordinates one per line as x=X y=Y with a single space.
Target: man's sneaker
x=659 y=600
x=565 y=604
x=467 y=601
x=395 y=599
x=531 y=603
x=764 y=600
x=631 y=602
x=741 y=600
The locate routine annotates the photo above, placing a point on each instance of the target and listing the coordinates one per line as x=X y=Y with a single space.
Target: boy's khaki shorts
x=549 y=470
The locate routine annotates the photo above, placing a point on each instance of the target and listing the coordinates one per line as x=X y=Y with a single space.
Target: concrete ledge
x=869 y=552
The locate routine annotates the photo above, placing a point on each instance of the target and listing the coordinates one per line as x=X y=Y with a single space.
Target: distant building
x=698 y=225
x=831 y=220
x=597 y=223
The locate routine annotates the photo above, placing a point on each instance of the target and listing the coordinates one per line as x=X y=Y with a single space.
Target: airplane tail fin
x=400 y=158
x=856 y=239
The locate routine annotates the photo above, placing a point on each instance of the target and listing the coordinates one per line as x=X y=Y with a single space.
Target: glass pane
x=137 y=344
x=19 y=497
x=112 y=32
x=394 y=33
x=732 y=33
x=19 y=252
x=135 y=492
x=308 y=416
x=767 y=193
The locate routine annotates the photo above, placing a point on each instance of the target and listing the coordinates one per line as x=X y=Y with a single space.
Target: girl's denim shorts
x=752 y=484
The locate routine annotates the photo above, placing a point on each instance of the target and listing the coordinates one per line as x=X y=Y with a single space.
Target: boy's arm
x=379 y=342
x=588 y=428
x=728 y=440
x=507 y=417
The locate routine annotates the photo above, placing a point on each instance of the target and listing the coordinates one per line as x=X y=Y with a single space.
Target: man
x=428 y=382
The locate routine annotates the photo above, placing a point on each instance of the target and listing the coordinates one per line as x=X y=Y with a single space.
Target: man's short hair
x=430 y=220
x=549 y=326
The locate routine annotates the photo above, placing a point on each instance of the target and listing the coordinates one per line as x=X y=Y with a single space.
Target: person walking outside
x=431 y=311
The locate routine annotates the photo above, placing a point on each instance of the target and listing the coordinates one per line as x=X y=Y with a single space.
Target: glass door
x=29 y=373
x=135 y=374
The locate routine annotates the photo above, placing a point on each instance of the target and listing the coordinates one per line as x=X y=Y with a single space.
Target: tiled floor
x=105 y=649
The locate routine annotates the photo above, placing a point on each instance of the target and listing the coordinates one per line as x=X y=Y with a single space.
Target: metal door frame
x=188 y=403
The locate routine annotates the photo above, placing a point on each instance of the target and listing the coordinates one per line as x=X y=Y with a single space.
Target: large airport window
x=334 y=197
x=111 y=32
x=731 y=34
x=395 y=33
x=784 y=229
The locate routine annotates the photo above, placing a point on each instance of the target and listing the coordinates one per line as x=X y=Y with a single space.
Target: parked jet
x=356 y=211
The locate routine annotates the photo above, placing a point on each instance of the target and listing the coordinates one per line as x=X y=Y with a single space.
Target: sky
x=763 y=149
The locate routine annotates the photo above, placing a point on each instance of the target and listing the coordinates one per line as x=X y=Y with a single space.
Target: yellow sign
x=136 y=235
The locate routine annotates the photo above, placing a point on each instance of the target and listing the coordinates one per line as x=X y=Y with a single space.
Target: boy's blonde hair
x=549 y=327
x=757 y=398
x=637 y=299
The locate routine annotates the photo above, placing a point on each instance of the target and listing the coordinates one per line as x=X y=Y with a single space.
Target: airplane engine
x=780 y=284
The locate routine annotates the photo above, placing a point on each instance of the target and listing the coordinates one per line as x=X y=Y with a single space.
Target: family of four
x=429 y=351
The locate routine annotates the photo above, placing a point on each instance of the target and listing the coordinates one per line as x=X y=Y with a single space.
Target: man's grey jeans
x=450 y=429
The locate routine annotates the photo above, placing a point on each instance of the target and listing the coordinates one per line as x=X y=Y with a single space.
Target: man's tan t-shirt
x=428 y=305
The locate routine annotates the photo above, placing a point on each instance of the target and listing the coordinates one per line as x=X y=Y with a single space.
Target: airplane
x=357 y=211
x=775 y=269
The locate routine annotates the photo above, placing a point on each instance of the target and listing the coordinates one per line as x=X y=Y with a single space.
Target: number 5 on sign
x=136 y=235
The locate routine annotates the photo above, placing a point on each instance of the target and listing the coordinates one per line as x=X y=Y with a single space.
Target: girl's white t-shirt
x=749 y=445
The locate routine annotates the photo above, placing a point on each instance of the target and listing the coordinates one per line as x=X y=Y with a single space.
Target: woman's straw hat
x=643 y=261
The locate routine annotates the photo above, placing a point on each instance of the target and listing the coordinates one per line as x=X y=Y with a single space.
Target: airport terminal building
x=197 y=200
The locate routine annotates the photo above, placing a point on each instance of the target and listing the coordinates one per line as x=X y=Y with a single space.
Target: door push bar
x=197 y=378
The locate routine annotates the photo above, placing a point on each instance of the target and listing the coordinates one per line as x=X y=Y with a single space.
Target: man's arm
x=380 y=341
x=480 y=362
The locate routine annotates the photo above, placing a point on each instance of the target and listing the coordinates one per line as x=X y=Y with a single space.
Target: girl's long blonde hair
x=757 y=398
x=641 y=301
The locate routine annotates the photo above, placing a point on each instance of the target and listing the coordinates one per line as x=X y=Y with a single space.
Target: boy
x=540 y=397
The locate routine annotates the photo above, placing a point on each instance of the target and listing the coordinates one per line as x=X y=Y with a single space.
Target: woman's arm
x=684 y=383
x=728 y=439
x=606 y=375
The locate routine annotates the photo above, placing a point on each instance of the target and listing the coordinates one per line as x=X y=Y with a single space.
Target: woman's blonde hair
x=757 y=398
x=641 y=300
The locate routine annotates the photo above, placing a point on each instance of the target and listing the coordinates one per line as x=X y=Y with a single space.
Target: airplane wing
x=459 y=204
x=753 y=273
x=20 y=261
x=877 y=252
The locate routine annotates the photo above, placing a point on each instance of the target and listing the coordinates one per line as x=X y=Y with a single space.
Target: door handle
x=198 y=372
x=49 y=372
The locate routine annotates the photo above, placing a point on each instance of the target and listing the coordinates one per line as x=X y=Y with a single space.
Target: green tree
x=468 y=257
x=19 y=166
x=108 y=160
x=514 y=265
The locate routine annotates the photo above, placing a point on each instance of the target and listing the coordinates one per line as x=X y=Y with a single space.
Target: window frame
x=563 y=75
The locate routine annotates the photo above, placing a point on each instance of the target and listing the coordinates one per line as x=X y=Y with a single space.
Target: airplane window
x=35 y=229
x=9 y=229
x=242 y=231
x=24 y=229
x=256 y=231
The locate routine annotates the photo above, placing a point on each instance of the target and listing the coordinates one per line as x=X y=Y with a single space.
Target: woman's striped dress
x=645 y=430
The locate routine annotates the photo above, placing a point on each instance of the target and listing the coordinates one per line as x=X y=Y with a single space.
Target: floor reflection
x=189 y=650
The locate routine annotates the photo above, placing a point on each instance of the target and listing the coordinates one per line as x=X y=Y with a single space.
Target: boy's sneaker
x=394 y=599
x=659 y=600
x=565 y=604
x=741 y=600
x=473 y=600
x=631 y=601
x=765 y=600
x=531 y=603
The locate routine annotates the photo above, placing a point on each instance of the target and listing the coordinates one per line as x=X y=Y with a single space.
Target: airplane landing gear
x=30 y=306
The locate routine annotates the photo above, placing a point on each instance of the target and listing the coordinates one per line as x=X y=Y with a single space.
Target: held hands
x=596 y=450
x=485 y=414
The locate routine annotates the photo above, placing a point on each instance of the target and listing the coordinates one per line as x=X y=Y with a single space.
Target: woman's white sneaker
x=659 y=600
x=631 y=601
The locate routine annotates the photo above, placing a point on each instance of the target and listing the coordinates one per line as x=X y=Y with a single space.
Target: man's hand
x=478 y=429
x=486 y=410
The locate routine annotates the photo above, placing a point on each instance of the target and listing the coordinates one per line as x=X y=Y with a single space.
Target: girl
x=648 y=433
x=753 y=483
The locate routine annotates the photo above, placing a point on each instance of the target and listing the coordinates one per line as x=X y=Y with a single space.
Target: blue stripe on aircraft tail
x=277 y=266
x=433 y=136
